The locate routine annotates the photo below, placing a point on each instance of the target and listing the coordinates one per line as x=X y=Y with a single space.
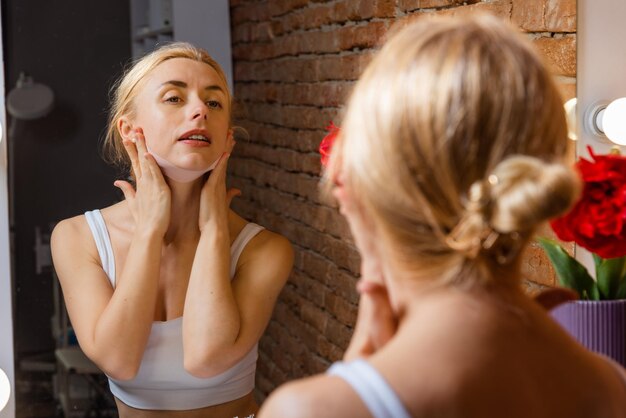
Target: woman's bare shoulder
x=72 y=245
x=319 y=396
x=265 y=244
x=68 y=230
x=74 y=233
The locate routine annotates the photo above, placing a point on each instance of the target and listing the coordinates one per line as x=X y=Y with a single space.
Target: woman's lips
x=195 y=143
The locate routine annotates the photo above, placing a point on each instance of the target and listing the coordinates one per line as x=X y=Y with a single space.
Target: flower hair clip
x=327 y=143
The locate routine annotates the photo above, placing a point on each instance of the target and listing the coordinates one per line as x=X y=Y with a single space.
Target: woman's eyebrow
x=214 y=87
x=175 y=83
x=182 y=84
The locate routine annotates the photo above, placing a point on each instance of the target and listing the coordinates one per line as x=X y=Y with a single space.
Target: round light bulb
x=5 y=389
x=614 y=121
x=570 y=114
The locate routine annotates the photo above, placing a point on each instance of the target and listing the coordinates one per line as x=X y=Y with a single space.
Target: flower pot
x=600 y=326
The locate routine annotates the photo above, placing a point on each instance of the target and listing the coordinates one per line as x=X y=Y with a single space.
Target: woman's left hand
x=376 y=323
x=215 y=198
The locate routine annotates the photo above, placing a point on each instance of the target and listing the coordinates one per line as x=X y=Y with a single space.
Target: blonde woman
x=450 y=156
x=169 y=290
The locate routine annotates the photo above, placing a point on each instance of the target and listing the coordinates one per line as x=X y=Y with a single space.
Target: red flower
x=327 y=143
x=598 y=221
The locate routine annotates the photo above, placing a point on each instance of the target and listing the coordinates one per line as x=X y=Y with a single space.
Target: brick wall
x=295 y=62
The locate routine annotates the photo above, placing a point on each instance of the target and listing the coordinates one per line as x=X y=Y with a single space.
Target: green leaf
x=609 y=272
x=621 y=290
x=597 y=260
x=570 y=272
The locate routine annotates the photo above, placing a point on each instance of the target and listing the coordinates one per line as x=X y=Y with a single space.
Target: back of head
x=453 y=141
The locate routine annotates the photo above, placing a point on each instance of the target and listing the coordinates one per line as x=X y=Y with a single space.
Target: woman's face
x=183 y=110
x=363 y=231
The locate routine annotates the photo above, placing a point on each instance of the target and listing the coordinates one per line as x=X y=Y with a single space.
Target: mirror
x=291 y=87
x=76 y=49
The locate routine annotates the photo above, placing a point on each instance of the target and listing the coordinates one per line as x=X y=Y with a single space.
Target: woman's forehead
x=184 y=71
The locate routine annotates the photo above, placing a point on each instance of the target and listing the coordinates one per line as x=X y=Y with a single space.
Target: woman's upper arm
x=86 y=288
x=314 y=397
x=264 y=267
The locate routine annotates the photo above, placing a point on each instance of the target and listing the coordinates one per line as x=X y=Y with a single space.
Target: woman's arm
x=314 y=397
x=113 y=326
x=223 y=320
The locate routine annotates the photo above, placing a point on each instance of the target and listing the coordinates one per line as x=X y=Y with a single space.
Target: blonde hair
x=126 y=89
x=452 y=142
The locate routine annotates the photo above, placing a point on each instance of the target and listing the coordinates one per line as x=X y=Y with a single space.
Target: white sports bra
x=378 y=396
x=162 y=382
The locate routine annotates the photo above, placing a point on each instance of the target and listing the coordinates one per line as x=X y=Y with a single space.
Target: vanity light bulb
x=5 y=389
x=570 y=115
x=614 y=121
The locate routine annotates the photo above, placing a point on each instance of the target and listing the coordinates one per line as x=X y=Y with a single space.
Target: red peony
x=327 y=143
x=598 y=221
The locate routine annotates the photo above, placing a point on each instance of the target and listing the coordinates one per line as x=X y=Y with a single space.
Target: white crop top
x=162 y=382
x=378 y=396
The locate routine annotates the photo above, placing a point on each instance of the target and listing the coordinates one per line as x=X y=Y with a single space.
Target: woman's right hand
x=150 y=201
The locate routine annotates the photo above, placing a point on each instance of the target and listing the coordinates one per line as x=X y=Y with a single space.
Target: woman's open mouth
x=196 y=140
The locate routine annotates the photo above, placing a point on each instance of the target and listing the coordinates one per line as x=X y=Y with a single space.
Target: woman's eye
x=173 y=99
x=214 y=104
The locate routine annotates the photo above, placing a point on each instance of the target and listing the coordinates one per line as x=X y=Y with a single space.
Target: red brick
x=408 y=5
x=322 y=94
x=328 y=350
x=345 y=38
x=297 y=117
x=286 y=70
x=340 y=308
x=500 y=8
x=529 y=14
x=341 y=283
x=560 y=54
x=545 y=15
x=297 y=140
x=536 y=267
x=282 y=157
x=312 y=289
x=322 y=218
x=265 y=175
x=313 y=315
x=337 y=333
x=333 y=13
x=253 y=32
x=281 y=7
x=561 y=15
x=251 y=12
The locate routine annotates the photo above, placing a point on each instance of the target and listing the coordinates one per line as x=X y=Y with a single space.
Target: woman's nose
x=199 y=110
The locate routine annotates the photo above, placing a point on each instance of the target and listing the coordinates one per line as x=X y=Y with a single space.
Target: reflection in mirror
x=294 y=64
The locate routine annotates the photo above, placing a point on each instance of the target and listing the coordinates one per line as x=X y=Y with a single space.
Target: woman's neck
x=406 y=290
x=185 y=210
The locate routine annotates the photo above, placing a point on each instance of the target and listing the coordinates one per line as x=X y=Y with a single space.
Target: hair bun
x=526 y=191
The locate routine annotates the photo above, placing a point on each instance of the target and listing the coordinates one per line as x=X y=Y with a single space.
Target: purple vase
x=600 y=326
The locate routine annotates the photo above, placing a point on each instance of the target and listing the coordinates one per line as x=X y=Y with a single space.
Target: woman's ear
x=125 y=128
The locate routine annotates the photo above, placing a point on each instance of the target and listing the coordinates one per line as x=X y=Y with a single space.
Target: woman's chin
x=196 y=164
